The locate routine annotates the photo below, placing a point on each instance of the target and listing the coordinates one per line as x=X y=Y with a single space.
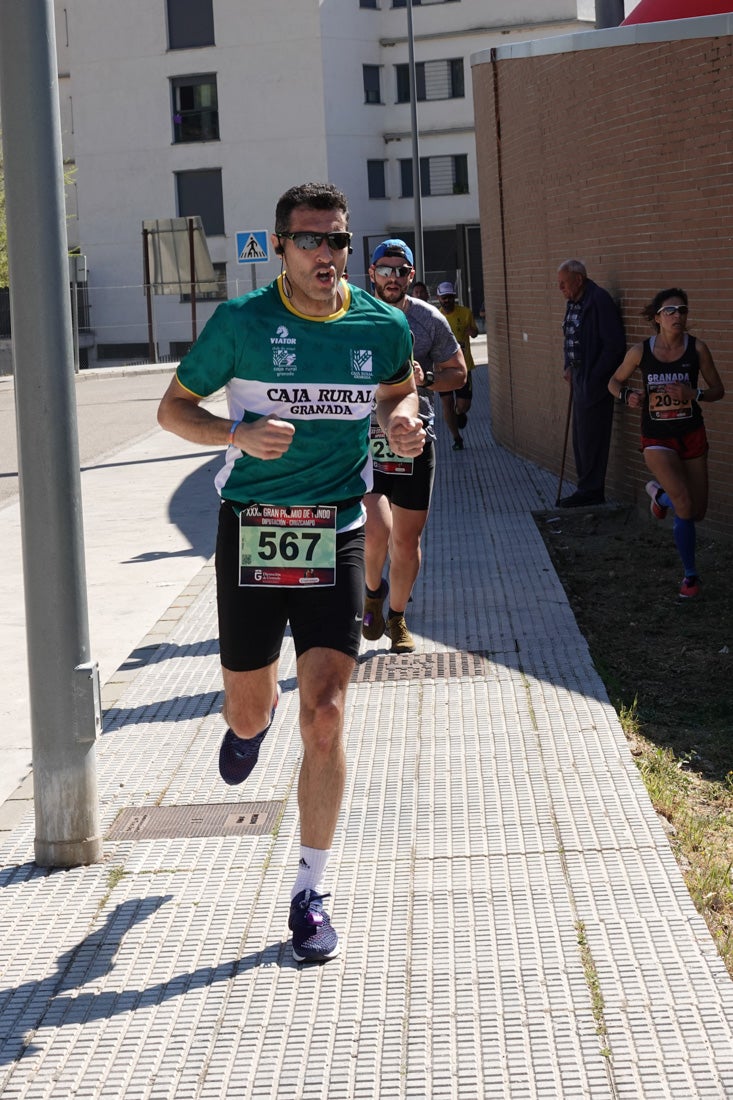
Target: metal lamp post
x=416 y=187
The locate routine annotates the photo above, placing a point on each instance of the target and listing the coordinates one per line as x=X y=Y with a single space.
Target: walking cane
x=565 y=443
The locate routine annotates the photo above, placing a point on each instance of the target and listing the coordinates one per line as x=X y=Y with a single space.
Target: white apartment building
x=215 y=107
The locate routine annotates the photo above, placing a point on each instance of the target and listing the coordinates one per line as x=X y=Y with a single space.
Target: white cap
x=445 y=290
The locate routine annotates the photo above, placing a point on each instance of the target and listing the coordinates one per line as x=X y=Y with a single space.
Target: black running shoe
x=314 y=940
x=238 y=755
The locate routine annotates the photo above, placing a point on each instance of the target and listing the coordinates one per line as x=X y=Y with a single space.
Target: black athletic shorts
x=252 y=621
x=411 y=491
x=466 y=390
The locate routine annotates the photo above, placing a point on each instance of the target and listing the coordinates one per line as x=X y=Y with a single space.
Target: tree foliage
x=69 y=174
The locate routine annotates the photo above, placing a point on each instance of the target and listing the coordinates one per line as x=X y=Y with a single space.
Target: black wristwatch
x=428 y=377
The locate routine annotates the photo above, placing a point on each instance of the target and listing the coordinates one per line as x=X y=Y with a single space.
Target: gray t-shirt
x=434 y=343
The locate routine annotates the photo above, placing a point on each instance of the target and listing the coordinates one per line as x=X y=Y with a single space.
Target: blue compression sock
x=664 y=500
x=684 y=538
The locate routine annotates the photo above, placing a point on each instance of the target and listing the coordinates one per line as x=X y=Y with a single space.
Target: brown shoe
x=402 y=640
x=373 y=625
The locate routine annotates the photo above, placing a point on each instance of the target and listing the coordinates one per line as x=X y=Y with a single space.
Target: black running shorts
x=466 y=390
x=411 y=491
x=252 y=621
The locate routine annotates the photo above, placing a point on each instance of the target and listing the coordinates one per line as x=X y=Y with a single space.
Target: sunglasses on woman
x=308 y=241
x=669 y=311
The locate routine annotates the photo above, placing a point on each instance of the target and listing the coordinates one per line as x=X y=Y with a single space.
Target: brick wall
x=621 y=157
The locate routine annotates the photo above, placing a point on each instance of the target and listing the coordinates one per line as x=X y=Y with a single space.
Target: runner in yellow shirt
x=456 y=403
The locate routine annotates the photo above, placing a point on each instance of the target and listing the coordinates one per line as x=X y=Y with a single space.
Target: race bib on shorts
x=383 y=459
x=287 y=547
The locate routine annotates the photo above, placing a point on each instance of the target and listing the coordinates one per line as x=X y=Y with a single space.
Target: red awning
x=655 y=11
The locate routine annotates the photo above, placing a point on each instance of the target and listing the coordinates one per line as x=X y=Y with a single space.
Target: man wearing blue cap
x=397 y=508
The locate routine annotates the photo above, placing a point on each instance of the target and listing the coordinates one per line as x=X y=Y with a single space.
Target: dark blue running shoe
x=238 y=756
x=314 y=940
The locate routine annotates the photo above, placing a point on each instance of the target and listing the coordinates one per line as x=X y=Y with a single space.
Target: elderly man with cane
x=594 y=345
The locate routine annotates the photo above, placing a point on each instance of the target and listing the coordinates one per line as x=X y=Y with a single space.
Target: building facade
x=215 y=107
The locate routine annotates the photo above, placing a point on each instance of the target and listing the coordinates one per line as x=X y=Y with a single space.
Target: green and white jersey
x=320 y=374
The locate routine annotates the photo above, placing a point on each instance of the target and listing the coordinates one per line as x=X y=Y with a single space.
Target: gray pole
x=609 y=13
x=417 y=194
x=64 y=683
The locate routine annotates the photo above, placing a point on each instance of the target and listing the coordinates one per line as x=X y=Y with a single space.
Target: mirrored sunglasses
x=308 y=241
x=386 y=271
x=669 y=311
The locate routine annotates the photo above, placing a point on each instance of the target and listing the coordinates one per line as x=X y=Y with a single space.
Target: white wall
x=271 y=133
x=291 y=108
x=356 y=131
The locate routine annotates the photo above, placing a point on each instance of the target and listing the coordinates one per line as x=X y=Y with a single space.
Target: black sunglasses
x=308 y=241
x=385 y=270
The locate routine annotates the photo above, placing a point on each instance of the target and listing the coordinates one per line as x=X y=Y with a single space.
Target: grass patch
x=594 y=987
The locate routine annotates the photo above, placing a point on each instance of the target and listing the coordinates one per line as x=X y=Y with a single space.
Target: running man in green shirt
x=302 y=360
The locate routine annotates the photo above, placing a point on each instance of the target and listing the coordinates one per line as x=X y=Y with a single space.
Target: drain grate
x=423 y=666
x=218 y=819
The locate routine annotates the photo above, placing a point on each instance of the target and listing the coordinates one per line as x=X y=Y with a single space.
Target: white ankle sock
x=311 y=867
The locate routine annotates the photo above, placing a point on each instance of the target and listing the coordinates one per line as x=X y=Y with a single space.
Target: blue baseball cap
x=393 y=247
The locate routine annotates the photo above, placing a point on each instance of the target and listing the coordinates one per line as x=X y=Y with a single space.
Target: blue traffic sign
x=252 y=246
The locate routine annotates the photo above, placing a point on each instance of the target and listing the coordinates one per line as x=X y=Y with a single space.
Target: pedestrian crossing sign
x=252 y=246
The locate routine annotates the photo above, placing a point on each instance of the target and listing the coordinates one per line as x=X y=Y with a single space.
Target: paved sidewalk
x=149 y=516
x=515 y=924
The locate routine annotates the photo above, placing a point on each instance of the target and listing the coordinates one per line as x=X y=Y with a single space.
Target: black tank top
x=662 y=416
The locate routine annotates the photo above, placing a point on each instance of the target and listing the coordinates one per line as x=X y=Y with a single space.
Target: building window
x=438 y=176
x=200 y=192
x=195 y=108
x=416 y=3
x=434 y=80
x=372 y=92
x=407 y=190
x=190 y=23
x=126 y=353
x=368 y=4
x=219 y=293
x=376 y=179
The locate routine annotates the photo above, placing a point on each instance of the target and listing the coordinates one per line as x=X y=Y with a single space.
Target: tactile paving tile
x=493 y=818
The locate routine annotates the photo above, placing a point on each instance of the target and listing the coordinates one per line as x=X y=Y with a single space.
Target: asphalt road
x=113 y=409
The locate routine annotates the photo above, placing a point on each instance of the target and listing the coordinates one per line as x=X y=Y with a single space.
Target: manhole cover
x=219 y=819
x=423 y=666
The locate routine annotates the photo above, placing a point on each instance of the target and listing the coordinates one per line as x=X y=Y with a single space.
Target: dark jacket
x=602 y=345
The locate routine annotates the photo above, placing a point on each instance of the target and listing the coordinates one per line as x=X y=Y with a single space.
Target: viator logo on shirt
x=282 y=336
x=283 y=351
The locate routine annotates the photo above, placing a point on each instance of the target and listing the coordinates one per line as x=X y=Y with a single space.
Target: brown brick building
x=614 y=147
